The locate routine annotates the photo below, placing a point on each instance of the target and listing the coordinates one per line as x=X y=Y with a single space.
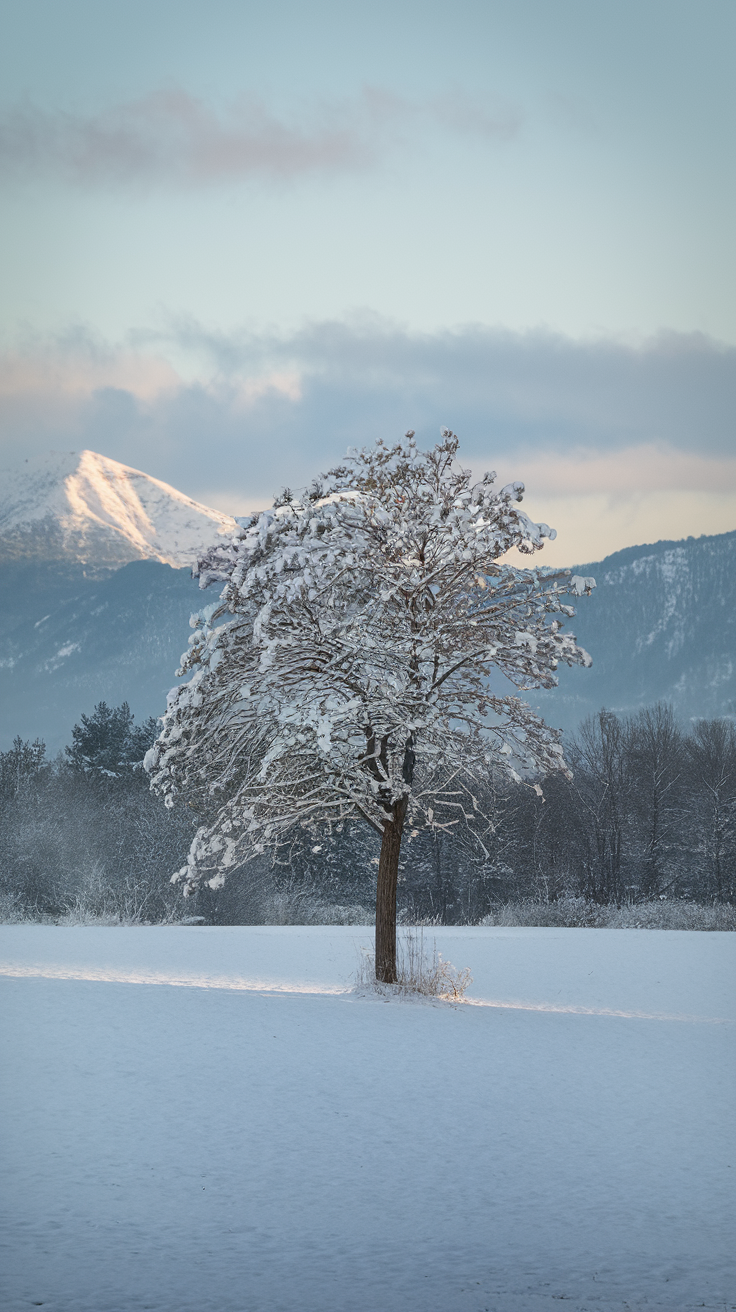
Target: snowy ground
x=199 y=1120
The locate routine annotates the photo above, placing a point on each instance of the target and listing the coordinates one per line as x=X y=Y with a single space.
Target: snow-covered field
x=203 y=1120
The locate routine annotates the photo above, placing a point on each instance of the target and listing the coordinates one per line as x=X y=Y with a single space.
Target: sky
x=239 y=237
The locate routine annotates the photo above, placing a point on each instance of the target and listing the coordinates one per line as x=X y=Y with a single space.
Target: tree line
x=82 y=833
x=649 y=813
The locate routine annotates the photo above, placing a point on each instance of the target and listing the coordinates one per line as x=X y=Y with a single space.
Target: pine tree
x=107 y=742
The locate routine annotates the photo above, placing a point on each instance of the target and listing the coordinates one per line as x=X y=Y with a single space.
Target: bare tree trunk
x=388 y=874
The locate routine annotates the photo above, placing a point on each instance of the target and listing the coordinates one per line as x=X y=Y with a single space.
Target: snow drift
x=204 y=1120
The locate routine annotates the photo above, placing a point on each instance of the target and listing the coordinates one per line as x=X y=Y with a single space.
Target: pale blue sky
x=179 y=173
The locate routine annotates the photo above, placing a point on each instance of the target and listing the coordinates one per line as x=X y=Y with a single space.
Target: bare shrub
x=12 y=911
x=579 y=913
x=131 y=898
x=420 y=972
x=81 y=915
x=337 y=914
x=566 y=912
x=298 y=909
x=674 y=915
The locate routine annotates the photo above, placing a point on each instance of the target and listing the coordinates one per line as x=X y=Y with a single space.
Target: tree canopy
x=351 y=667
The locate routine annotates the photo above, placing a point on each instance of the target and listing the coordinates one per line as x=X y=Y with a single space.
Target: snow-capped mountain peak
x=84 y=507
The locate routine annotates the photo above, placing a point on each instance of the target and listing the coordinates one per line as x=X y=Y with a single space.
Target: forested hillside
x=661 y=625
x=93 y=610
x=69 y=641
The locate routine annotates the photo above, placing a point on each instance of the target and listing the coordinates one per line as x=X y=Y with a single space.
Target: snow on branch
x=362 y=620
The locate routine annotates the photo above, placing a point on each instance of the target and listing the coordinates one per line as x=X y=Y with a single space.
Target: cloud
x=593 y=525
x=533 y=390
x=68 y=375
x=174 y=138
x=636 y=470
x=463 y=114
x=616 y=443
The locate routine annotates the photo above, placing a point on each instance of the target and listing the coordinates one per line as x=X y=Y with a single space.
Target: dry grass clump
x=421 y=972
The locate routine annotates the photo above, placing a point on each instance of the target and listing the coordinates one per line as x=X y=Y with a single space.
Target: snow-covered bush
x=673 y=915
x=346 y=670
x=12 y=911
x=283 y=909
x=567 y=912
x=579 y=913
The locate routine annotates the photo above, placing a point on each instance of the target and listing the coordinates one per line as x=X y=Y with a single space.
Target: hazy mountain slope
x=77 y=641
x=86 y=508
x=78 y=628
x=660 y=624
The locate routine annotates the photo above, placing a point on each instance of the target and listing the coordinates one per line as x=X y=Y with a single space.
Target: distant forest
x=650 y=814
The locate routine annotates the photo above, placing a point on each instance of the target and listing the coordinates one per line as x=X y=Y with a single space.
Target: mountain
x=83 y=508
x=95 y=588
x=72 y=641
x=94 y=608
x=661 y=624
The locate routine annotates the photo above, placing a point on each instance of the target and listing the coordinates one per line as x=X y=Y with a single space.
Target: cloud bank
x=616 y=443
x=538 y=388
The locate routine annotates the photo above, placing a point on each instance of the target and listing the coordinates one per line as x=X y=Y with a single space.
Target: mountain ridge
x=660 y=625
x=89 y=639
x=81 y=627
x=625 y=555
x=88 y=509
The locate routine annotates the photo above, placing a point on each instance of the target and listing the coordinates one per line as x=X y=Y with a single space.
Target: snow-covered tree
x=348 y=668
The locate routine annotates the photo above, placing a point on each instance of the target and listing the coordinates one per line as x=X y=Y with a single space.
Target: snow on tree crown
x=364 y=624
